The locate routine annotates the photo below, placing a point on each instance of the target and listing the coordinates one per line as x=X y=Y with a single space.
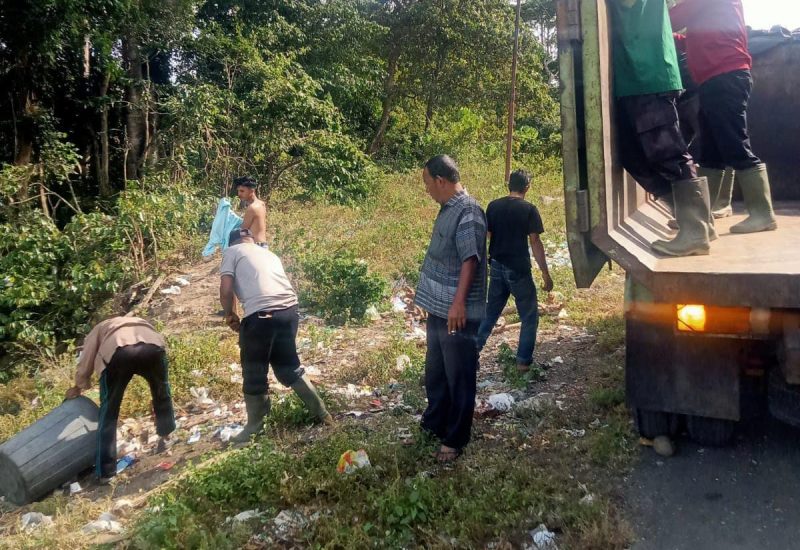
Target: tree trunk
x=389 y=90
x=136 y=119
x=101 y=158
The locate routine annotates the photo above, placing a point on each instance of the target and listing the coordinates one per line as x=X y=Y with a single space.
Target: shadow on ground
x=746 y=495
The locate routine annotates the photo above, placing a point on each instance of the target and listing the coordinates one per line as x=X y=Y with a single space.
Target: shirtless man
x=255 y=214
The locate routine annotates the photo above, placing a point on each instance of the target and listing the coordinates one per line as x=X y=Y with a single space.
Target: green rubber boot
x=758 y=200
x=310 y=398
x=692 y=212
x=257 y=408
x=721 y=208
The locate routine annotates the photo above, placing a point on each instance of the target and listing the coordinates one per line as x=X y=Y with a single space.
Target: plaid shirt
x=459 y=233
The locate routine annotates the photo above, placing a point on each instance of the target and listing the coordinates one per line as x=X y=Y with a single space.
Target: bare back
x=255 y=219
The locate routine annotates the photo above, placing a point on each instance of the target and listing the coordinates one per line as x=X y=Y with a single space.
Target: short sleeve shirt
x=259 y=281
x=511 y=220
x=645 y=61
x=459 y=233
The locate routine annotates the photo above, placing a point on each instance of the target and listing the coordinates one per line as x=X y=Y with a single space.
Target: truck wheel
x=714 y=432
x=651 y=424
x=784 y=399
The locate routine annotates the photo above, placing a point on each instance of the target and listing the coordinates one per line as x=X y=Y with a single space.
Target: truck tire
x=713 y=432
x=783 y=399
x=651 y=424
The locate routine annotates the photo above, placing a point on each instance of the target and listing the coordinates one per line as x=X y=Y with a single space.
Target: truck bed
x=757 y=269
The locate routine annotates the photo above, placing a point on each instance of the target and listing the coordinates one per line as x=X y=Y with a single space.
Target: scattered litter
x=288 y=521
x=235 y=367
x=182 y=281
x=355 y=414
x=416 y=334
x=587 y=500
x=350 y=461
x=106 y=523
x=563 y=314
x=75 y=488
x=237 y=379
x=398 y=305
x=201 y=398
x=312 y=371
x=573 y=433
x=485 y=384
x=403 y=362
x=372 y=313
x=122 y=508
x=173 y=290
x=197 y=373
x=538 y=403
x=165 y=466
x=194 y=437
x=225 y=433
x=35 y=401
x=244 y=516
x=34 y=520
x=124 y=463
x=557 y=360
x=595 y=423
x=544 y=538
x=501 y=401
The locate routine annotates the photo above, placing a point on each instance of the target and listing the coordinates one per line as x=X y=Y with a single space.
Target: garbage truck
x=713 y=339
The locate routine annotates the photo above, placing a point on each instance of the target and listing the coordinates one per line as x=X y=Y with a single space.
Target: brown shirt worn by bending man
x=255 y=214
x=105 y=338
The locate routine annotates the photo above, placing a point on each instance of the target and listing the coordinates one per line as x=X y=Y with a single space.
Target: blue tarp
x=224 y=222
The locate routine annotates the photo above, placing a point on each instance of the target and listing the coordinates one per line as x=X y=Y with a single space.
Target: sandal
x=447 y=456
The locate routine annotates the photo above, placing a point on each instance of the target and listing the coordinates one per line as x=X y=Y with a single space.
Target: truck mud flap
x=683 y=374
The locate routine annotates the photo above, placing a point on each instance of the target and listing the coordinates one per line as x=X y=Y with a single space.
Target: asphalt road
x=743 y=496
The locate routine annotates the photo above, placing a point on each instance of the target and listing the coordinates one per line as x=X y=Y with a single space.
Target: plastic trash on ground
x=103 y=525
x=75 y=488
x=398 y=305
x=122 y=508
x=372 y=313
x=403 y=362
x=125 y=462
x=194 y=437
x=543 y=538
x=225 y=433
x=350 y=461
x=201 y=398
x=182 y=281
x=244 y=516
x=501 y=401
x=171 y=290
x=34 y=520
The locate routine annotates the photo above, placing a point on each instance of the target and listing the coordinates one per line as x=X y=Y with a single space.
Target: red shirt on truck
x=716 y=36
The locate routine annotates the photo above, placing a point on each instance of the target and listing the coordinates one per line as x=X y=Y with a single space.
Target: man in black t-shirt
x=513 y=223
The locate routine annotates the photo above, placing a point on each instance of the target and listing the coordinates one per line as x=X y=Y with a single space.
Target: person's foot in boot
x=721 y=208
x=692 y=211
x=257 y=408
x=308 y=395
x=758 y=200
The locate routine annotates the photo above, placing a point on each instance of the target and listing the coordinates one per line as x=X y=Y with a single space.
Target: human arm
x=684 y=13
x=457 y=314
x=83 y=373
x=227 y=300
x=537 y=247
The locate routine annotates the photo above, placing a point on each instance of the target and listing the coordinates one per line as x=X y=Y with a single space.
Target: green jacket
x=644 y=55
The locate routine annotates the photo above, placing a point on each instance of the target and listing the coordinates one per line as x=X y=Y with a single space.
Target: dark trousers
x=148 y=361
x=723 y=122
x=652 y=147
x=503 y=282
x=451 y=370
x=269 y=339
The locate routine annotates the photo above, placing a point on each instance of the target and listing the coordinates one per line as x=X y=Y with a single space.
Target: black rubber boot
x=257 y=408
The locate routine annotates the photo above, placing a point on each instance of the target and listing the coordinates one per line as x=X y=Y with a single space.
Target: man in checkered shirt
x=452 y=289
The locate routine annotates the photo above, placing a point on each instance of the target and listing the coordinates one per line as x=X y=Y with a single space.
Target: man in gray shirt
x=267 y=332
x=452 y=289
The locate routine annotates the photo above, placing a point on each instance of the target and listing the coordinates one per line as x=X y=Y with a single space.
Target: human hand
x=547 y=281
x=233 y=322
x=72 y=393
x=456 y=317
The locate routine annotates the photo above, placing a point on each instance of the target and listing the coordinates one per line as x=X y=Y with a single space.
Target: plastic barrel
x=49 y=452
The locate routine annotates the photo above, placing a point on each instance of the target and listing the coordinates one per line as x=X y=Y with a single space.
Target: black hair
x=518 y=181
x=235 y=237
x=442 y=166
x=246 y=181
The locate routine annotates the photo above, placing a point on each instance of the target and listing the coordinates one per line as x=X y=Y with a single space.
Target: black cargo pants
x=148 y=361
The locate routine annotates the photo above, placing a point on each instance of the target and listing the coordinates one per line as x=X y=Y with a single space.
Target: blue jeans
x=502 y=283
